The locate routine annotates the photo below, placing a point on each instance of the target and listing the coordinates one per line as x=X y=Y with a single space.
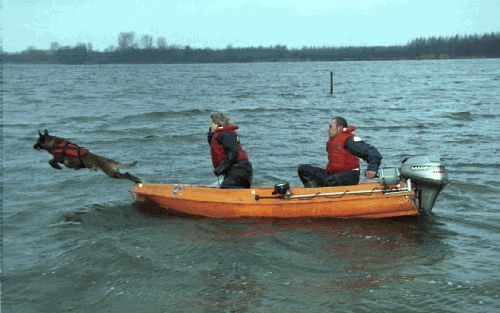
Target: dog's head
x=43 y=141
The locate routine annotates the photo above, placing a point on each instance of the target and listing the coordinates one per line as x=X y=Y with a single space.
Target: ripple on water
x=72 y=233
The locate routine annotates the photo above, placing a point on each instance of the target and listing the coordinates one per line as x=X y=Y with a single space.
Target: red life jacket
x=216 y=149
x=66 y=148
x=339 y=159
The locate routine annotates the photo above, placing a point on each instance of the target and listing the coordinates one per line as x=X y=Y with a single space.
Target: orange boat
x=403 y=191
x=364 y=200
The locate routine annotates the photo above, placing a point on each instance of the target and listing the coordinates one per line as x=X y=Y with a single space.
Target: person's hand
x=219 y=171
x=370 y=174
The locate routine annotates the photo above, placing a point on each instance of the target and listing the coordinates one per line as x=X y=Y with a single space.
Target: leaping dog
x=73 y=156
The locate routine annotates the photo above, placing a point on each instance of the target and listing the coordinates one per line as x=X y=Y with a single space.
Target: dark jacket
x=365 y=151
x=226 y=149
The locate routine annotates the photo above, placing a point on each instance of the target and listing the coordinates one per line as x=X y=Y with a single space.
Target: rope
x=337 y=196
x=318 y=194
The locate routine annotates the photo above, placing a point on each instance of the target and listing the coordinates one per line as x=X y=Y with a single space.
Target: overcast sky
x=218 y=23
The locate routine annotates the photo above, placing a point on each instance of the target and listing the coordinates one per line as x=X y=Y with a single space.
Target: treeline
x=130 y=50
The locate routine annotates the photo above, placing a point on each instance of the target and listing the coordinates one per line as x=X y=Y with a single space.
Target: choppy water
x=74 y=241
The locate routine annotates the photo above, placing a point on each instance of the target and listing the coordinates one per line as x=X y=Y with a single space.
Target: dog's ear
x=40 y=134
x=46 y=133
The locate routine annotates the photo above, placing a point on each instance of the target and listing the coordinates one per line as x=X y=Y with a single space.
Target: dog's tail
x=127 y=165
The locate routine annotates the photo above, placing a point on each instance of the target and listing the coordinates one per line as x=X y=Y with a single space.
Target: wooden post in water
x=331 y=83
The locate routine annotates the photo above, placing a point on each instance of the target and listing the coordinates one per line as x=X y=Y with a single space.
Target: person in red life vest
x=228 y=157
x=344 y=148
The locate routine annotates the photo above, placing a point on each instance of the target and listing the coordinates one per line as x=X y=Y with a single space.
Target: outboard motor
x=427 y=174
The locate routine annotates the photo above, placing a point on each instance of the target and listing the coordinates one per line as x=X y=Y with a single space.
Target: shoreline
x=5 y=62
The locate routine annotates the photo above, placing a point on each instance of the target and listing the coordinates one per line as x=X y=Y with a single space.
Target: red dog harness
x=66 y=148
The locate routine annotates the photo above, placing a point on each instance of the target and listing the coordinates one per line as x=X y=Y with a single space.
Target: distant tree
x=126 y=40
x=147 y=42
x=90 y=47
x=485 y=45
x=76 y=55
x=161 y=43
x=54 y=46
x=34 y=55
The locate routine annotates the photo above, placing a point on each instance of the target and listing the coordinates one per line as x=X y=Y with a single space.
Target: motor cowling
x=427 y=174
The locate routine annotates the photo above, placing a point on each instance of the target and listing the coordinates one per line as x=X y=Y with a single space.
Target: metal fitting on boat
x=282 y=189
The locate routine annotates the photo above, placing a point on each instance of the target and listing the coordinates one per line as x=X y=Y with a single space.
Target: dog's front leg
x=54 y=164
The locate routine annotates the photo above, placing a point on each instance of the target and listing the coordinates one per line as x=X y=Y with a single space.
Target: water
x=74 y=241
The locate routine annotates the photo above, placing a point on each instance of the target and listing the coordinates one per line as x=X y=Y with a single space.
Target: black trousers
x=313 y=176
x=239 y=176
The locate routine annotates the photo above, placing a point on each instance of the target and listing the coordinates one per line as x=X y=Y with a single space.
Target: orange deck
x=235 y=203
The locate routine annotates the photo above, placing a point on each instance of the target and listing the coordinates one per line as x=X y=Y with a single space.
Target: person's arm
x=229 y=142
x=359 y=148
x=210 y=135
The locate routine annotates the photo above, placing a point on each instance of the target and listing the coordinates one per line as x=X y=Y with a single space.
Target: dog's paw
x=55 y=165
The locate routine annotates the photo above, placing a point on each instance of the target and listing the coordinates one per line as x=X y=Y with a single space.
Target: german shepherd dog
x=73 y=156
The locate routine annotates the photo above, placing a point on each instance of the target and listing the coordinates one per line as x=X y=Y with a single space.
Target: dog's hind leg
x=133 y=178
x=110 y=168
x=127 y=175
x=127 y=165
x=113 y=172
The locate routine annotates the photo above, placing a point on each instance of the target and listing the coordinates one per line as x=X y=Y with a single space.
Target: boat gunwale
x=314 y=198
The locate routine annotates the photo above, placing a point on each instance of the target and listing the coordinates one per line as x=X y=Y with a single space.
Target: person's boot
x=311 y=184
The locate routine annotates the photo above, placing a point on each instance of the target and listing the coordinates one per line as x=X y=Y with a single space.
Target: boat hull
x=366 y=200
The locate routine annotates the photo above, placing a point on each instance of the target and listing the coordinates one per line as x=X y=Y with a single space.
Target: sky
x=242 y=23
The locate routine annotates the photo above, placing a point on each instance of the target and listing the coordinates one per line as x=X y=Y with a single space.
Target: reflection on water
x=293 y=258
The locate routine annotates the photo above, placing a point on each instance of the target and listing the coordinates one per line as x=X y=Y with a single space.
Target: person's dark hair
x=340 y=121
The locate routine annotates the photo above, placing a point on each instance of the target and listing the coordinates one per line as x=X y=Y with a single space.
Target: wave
x=108 y=215
x=260 y=109
x=274 y=109
x=83 y=119
x=244 y=95
x=467 y=187
x=394 y=128
x=23 y=125
x=393 y=98
x=159 y=115
x=292 y=96
x=438 y=89
x=460 y=116
x=476 y=165
x=488 y=116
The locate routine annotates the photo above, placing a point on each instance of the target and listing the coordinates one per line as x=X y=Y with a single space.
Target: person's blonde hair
x=220 y=119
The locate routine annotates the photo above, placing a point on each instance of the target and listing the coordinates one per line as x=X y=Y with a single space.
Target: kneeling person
x=228 y=157
x=344 y=148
